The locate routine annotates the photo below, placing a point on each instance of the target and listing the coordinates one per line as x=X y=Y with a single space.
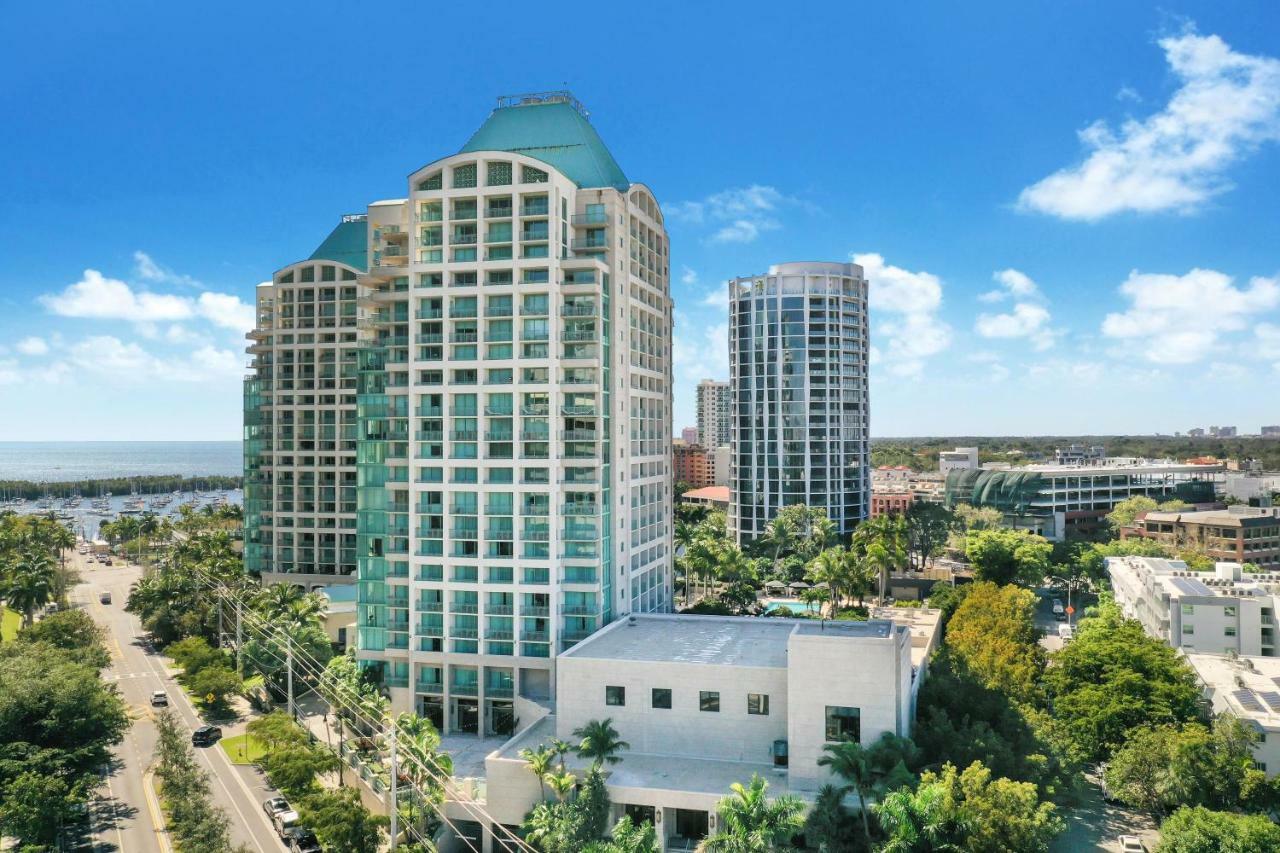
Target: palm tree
x=752 y=823
x=781 y=535
x=561 y=784
x=832 y=568
x=560 y=748
x=600 y=742
x=418 y=739
x=539 y=761
x=919 y=822
x=685 y=533
x=849 y=761
x=28 y=585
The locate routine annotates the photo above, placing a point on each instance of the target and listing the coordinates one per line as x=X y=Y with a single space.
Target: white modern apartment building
x=798 y=354
x=300 y=416
x=713 y=414
x=1248 y=688
x=1223 y=612
x=1053 y=500
x=960 y=459
x=707 y=701
x=512 y=393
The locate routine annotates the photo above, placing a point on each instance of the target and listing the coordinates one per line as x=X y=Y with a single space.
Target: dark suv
x=205 y=735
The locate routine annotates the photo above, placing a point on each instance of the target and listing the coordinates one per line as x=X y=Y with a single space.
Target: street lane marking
x=153 y=806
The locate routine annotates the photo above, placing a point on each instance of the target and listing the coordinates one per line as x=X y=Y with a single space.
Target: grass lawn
x=242 y=749
x=10 y=622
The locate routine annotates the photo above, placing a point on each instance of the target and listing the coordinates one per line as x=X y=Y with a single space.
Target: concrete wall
x=822 y=673
x=731 y=734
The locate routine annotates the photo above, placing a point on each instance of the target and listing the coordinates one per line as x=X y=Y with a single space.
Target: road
x=128 y=820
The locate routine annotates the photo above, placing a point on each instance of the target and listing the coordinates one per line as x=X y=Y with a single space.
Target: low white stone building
x=1219 y=612
x=707 y=701
x=1248 y=688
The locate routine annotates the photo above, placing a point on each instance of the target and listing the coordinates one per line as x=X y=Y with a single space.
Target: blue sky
x=1068 y=213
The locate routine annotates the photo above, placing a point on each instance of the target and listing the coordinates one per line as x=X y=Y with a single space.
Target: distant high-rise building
x=713 y=413
x=1080 y=454
x=472 y=401
x=1195 y=432
x=1222 y=431
x=689 y=435
x=1270 y=432
x=798 y=382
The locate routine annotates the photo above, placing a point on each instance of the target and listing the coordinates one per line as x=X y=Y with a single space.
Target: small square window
x=844 y=723
x=614 y=695
x=1230 y=631
x=1229 y=611
x=1188 y=629
x=1188 y=608
x=758 y=704
x=709 y=700
x=662 y=697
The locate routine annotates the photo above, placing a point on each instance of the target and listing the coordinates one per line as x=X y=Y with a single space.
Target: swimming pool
x=772 y=604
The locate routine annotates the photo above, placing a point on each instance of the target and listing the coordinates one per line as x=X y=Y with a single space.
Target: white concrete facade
x=1224 y=612
x=960 y=459
x=708 y=701
x=1248 y=688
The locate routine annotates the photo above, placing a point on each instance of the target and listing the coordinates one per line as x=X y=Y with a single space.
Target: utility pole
x=288 y=657
x=221 y=597
x=239 y=639
x=395 y=790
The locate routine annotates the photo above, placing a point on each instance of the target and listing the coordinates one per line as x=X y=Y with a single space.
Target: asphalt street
x=127 y=818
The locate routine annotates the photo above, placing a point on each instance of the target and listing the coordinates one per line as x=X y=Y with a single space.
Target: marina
x=84 y=515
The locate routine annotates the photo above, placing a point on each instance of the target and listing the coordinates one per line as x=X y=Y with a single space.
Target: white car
x=1066 y=632
x=159 y=699
x=1132 y=844
x=285 y=821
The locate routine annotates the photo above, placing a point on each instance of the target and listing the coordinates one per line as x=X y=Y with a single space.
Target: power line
x=350 y=704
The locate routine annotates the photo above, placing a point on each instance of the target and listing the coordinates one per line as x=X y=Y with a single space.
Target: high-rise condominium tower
x=798 y=381
x=512 y=376
x=713 y=414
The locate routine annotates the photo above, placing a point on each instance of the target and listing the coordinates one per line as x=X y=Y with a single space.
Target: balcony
x=534 y=311
x=465 y=689
x=579 y=435
x=499 y=691
x=463 y=338
x=535 y=409
x=535 y=637
x=598 y=217
x=579 y=509
x=590 y=245
x=463 y=607
x=579 y=335
x=434 y=688
x=581 y=411
x=535 y=611
x=578 y=310
x=432 y=338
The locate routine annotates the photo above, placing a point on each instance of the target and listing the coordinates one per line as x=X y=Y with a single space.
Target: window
x=1188 y=609
x=758 y=704
x=844 y=723
x=1230 y=630
x=1188 y=629
x=662 y=697
x=1229 y=611
x=614 y=695
x=709 y=700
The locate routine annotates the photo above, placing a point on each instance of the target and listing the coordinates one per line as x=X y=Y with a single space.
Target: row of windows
x=841 y=722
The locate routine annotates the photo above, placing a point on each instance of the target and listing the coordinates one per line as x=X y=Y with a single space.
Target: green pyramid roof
x=347 y=244
x=556 y=133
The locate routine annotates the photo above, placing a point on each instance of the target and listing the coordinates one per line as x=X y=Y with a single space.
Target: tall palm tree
x=781 y=535
x=849 y=761
x=832 y=568
x=752 y=823
x=600 y=742
x=540 y=762
x=685 y=533
x=28 y=585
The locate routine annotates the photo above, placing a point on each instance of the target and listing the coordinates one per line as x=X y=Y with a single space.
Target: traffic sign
x=1070 y=610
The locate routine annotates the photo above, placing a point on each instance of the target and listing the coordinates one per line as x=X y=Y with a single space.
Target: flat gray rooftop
x=718 y=640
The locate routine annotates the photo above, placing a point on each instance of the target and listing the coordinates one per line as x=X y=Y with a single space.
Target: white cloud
x=904 y=315
x=1178 y=319
x=1128 y=93
x=688 y=276
x=9 y=372
x=1028 y=319
x=146 y=269
x=32 y=346
x=227 y=311
x=1228 y=105
x=111 y=358
x=101 y=298
x=1266 y=343
x=739 y=215
x=1077 y=372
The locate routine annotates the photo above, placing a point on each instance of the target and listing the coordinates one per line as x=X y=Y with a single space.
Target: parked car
x=274 y=806
x=305 y=842
x=1066 y=632
x=159 y=699
x=205 y=735
x=285 y=822
x=1059 y=610
x=104 y=597
x=1132 y=844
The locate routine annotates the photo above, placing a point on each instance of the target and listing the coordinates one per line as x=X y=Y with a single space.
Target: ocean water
x=58 y=461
